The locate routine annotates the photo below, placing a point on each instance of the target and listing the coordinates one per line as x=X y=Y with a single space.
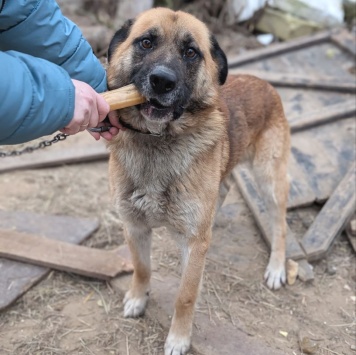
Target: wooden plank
x=16 y=277
x=318 y=167
x=322 y=116
x=325 y=154
x=52 y=157
x=345 y=40
x=42 y=251
x=298 y=103
x=253 y=199
x=300 y=81
x=300 y=192
x=332 y=218
x=273 y=50
x=324 y=59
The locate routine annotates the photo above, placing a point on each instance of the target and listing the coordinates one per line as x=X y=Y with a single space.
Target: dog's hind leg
x=138 y=237
x=270 y=168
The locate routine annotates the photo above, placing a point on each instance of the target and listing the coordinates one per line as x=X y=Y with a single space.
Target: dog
x=165 y=169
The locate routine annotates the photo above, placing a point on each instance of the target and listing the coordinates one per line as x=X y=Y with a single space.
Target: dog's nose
x=163 y=80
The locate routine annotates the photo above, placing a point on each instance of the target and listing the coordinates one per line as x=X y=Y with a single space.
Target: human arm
x=37 y=97
x=37 y=27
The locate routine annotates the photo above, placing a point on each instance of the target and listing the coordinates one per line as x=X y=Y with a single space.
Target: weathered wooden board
x=323 y=115
x=277 y=49
x=345 y=40
x=253 y=199
x=332 y=219
x=300 y=103
x=17 y=277
x=300 y=192
x=301 y=81
x=75 y=149
x=55 y=254
x=325 y=153
x=324 y=59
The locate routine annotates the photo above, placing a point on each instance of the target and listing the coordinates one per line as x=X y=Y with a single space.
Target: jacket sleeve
x=36 y=97
x=38 y=28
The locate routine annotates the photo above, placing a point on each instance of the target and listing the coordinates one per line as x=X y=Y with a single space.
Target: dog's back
x=252 y=106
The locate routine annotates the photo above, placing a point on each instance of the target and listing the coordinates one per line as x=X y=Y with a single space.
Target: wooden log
x=258 y=54
x=300 y=81
x=42 y=251
x=322 y=116
x=256 y=204
x=332 y=218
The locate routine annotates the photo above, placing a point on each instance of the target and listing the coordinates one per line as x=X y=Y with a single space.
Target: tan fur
x=174 y=180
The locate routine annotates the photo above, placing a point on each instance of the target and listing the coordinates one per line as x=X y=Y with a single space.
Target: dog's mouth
x=157 y=105
x=153 y=110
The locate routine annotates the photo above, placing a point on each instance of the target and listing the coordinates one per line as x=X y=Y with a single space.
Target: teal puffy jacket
x=40 y=51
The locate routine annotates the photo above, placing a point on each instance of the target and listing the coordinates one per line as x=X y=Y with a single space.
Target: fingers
x=114 y=120
x=89 y=109
x=114 y=130
x=103 y=107
x=109 y=135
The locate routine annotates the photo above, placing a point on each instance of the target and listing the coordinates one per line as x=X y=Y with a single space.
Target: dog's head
x=173 y=61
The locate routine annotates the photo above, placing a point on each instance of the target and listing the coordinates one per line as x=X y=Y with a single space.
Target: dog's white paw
x=134 y=306
x=176 y=345
x=275 y=275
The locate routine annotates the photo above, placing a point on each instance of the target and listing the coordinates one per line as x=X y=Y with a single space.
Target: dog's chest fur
x=156 y=183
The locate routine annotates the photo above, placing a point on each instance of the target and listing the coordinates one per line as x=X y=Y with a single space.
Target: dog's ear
x=119 y=37
x=220 y=58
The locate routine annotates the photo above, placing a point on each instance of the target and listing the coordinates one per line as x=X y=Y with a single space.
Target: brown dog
x=166 y=168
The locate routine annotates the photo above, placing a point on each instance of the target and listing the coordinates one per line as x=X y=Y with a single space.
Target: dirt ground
x=69 y=314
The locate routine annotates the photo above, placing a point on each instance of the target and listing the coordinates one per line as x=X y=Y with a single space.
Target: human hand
x=113 y=131
x=90 y=108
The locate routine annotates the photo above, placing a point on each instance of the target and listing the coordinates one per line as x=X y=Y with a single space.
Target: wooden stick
x=123 y=97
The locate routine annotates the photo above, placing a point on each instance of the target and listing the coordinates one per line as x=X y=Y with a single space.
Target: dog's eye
x=146 y=43
x=190 y=53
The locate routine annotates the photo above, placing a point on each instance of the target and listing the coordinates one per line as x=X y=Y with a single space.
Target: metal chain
x=40 y=145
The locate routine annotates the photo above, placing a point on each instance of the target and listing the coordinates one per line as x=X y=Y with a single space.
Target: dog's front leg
x=138 y=237
x=193 y=255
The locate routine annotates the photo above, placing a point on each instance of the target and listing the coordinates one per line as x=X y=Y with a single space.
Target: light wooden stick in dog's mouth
x=123 y=97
